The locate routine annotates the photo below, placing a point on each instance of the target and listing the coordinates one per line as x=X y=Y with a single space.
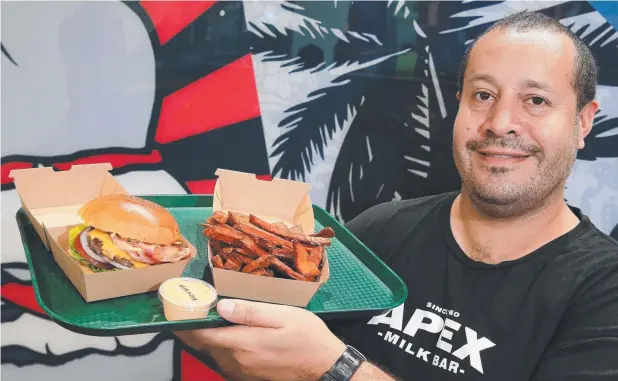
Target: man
x=506 y=282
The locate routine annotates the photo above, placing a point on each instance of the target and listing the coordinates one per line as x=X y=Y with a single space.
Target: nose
x=501 y=119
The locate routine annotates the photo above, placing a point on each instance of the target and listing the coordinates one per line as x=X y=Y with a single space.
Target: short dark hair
x=585 y=73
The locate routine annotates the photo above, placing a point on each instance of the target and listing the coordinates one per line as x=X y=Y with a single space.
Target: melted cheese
x=109 y=250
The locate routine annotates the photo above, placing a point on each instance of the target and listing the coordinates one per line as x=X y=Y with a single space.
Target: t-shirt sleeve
x=369 y=226
x=585 y=344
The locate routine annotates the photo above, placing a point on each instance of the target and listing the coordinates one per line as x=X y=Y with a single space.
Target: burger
x=123 y=232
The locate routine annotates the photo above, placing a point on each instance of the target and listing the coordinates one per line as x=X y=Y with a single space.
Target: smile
x=503 y=155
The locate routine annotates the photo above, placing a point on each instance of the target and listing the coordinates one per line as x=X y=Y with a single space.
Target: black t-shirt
x=551 y=315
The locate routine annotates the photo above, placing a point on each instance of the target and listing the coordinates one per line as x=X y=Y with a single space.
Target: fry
x=216 y=247
x=254 y=231
x=266 y=245
x=327 y=232
x=219 y=216
x=245 y=252
x=315 y=254
x=283 y=253
x=258 y=264
x=252 y=247
x=285 y=269
x=302 y=262
x=245 y=260
x=262 y=272
x=281 y=230
x=222 y=233
x=248 y=244
x=217 y=261
x=235 y=218
x=232 y=264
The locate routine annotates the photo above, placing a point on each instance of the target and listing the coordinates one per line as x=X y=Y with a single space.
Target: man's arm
x=367 y=371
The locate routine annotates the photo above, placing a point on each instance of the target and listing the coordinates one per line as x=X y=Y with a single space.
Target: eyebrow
x=527 y=84
x=532 y=84
x=479 y=77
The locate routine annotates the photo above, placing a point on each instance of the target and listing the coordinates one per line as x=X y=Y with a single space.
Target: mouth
x=501 y=158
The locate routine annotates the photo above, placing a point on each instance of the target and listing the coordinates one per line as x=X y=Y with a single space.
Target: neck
x=494 y=240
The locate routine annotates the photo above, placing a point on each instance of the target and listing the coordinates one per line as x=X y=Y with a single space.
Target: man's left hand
x=271 y=342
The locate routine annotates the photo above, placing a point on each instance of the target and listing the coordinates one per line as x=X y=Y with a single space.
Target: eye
x=537 y=101
x=482 y=96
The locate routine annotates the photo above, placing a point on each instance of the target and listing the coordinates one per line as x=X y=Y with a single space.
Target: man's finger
x=252 y=313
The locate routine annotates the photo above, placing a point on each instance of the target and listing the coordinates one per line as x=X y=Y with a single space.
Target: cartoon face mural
x=356 y=98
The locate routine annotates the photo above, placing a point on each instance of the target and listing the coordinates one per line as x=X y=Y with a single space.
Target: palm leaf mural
x=309 y=130
x=297 y=22
x=401 y=136
x=385 y=152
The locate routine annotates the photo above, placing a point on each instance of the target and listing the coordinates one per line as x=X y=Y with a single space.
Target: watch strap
x=345 y=367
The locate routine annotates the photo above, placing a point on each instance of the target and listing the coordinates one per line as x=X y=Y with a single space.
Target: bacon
x=151 y=253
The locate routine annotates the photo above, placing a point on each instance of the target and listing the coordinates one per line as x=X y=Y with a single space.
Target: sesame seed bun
x=131 y=217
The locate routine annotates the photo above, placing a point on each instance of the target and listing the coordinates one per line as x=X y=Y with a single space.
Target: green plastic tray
x=360 y=283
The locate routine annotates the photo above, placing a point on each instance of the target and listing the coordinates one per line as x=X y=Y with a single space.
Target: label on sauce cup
x=188 y=294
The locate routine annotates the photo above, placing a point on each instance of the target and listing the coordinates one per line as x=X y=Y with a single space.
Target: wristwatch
x=346 y=366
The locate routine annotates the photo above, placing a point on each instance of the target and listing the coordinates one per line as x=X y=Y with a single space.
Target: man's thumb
x=250 y=313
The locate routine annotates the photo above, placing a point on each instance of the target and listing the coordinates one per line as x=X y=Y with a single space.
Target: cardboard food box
x=276 y=200
x=52 y=199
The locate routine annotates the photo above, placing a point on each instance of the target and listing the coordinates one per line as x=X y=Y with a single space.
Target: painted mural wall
x=357 y=98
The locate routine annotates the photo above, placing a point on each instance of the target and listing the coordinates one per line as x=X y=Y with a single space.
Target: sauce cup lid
x=189 y=294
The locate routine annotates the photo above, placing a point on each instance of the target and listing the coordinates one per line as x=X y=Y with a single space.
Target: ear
x=458 y=95
x=586 y=119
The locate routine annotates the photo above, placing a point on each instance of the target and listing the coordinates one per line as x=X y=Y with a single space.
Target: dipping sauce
x=186 y=298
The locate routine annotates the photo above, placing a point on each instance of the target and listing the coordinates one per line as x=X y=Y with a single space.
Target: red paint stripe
x=222 y=98
x=117 y=160
x=170 y=17
x=208 y=186
x=21 y=295
x=191 y=369
x=6 y=168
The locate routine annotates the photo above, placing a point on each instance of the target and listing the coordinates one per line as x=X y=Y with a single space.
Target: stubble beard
x=498 y=199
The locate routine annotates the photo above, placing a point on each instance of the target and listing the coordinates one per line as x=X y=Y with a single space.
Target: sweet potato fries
x=251 y=245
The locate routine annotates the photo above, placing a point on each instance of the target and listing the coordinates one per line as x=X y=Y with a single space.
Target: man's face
x=517 y=130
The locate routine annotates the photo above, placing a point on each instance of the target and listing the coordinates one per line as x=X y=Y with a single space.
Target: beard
x=498 y=196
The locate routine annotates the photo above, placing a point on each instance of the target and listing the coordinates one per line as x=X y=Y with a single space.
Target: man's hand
x=272 y=342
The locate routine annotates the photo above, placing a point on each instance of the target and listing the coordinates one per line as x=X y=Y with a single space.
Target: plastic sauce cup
x=187 y=298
